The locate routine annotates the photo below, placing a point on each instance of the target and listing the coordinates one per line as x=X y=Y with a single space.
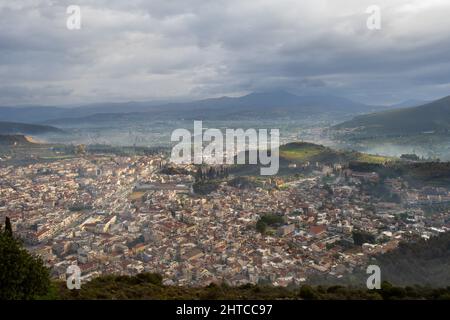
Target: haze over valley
x=333 y=121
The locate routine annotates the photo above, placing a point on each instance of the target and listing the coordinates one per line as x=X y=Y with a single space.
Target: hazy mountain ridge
x=255 y=105
x=410 y=103
x=14 y=128
x=39 y=114
x=261 y=105
x=430 y=117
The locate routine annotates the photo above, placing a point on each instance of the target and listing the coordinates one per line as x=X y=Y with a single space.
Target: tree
x=22 y=276
x=308 y=293
x=80 y=149
x=360 y=237
x=8 y=227
x=261 y=226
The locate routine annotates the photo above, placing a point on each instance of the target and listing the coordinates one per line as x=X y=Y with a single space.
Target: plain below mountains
x=262 y=105
x=433 y=117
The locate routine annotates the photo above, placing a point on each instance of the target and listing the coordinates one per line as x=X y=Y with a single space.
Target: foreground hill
x=424 y=263
x=430 y=117
x=15 y=140
x=301 y=152
x=149 y=286
x=295 y=154
x=25 y=128
x=24 y=150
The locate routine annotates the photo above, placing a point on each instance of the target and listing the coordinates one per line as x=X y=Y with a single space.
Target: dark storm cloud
x=140 y=50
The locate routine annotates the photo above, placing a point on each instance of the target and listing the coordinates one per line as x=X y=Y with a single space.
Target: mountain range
x=262 y=105
x=386 y=120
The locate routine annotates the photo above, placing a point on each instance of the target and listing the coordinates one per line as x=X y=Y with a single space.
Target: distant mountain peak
x=271 y=92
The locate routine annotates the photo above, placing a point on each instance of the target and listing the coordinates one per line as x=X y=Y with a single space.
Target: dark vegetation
x=208 y=178
x=172 y=170
x=410 y=157
x=380 y=191
x=245 y=183
x=423 y=263
x=14 y=140
x=417 y=173
x=149 y=286
x=204 y=187
x=79 y=207
x=124 y=150
x=361 y=237
x=268 y=220
x=205 y=172
x=23 y=276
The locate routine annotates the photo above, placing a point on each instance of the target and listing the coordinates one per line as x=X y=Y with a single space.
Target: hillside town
x=127 y=215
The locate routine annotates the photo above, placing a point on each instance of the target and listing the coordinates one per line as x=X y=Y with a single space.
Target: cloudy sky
x=189 y=49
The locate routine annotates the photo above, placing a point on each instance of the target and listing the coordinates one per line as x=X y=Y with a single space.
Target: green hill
x=298 y=153
x=301 y=152
x=430 y=117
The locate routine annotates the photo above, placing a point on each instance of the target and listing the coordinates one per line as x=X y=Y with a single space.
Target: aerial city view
x=210 y=150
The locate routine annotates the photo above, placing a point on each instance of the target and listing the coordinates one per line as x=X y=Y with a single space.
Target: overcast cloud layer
x=159 y=49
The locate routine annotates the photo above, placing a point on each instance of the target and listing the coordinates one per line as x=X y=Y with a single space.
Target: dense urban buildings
x=129 y=214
